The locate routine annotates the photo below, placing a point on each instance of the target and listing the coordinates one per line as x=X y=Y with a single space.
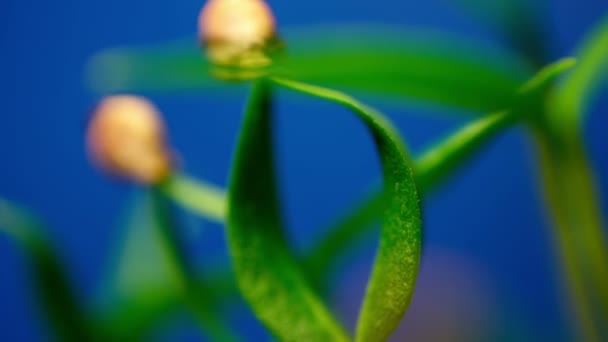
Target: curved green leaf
x=437 y=163
x=267 y=273
x=60 y=303
x=393 y=278
x=397 y=63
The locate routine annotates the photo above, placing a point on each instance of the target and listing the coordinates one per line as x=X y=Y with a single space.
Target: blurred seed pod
x=126 y=138
x=239 y=35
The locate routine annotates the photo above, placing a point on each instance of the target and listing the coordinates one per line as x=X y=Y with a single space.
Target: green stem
x=204 y=199
x=194 y=291
x=580 y=240
x=444 y=159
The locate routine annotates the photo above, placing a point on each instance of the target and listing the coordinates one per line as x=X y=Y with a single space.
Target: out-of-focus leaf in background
x=573 y=96
x=151 y=279
x=61 y=306
x=519 y=22
x=396 y=63
x=145 y=279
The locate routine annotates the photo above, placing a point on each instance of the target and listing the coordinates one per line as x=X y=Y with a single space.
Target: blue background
x=492 y=216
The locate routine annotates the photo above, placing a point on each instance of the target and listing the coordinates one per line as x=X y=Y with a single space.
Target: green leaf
x=145 y=285
x=570 y=193
x=446 y=157
x=570 y=189
x=267 y=273
x=60 y=304
x=413 y=65
x=153 y=278
x=393 y=278
x=396 y=63
x=573 y=95
x=433 y=167
x=520 y=22
x=174 y=66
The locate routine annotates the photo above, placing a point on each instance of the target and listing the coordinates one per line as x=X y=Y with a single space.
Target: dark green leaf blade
x=267 y=273
x=61 y=305
x=391 y=286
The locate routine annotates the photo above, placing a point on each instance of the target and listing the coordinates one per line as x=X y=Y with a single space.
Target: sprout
x=237 y=33
x=126 y=138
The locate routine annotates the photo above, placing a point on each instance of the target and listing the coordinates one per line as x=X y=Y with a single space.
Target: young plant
x=284 y=290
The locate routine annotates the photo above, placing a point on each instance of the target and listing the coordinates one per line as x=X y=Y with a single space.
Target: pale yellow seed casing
x=126 y=138
x=235 y=32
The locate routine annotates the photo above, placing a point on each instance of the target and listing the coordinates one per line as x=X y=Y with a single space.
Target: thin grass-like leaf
x=153 y=278
x=395 y=270
x=60 y=304
x=267 y=273
x=145 y=284
x=432 y=168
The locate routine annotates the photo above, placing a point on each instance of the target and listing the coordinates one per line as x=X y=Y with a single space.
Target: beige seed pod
x=237 y=33
x=126 y=138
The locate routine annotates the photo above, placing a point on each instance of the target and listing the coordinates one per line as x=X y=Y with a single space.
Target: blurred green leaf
x=60 y=304
x=396 y=63
x=395 y=270
x=520 y=22
x=267 y=273
x=153 y=279
x=173 y=66
x=574 y=94
x=145 y=284
x=570 y=189
x=412 y=65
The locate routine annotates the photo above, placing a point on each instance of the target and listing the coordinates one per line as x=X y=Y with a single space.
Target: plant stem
x=194 y=294
x=444 y=159
x=204 y=199
x=579 y=237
